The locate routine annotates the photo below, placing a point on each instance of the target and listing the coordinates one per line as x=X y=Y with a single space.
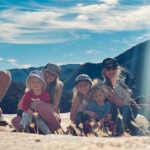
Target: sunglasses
x=107 y=68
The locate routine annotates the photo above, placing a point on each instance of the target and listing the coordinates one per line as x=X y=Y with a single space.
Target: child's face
x=98 y=96
x=49 y=77
x=35 y=83
x=83 y=87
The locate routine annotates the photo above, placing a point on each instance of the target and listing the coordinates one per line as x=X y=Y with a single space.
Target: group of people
x=92 y=100
x=42 y=96
x=100 y=101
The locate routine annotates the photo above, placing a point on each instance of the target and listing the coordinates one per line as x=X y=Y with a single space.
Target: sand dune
x=23 y=141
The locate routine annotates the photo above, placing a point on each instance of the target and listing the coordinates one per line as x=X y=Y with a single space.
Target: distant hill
x=133 y=59
x=92 y=69
x=20 y=75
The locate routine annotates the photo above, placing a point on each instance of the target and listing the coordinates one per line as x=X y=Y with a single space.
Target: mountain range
x=135 y=60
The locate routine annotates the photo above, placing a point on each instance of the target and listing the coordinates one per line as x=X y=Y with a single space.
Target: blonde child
x=35 y=92
x=98 y=103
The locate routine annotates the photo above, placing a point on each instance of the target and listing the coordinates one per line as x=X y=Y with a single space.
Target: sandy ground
x=23 y=141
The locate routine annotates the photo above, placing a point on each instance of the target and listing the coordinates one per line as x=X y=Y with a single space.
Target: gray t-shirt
x=83 y=105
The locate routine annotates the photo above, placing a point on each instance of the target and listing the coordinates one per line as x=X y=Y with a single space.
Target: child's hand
x=108 y=116
x=33 y=105
x=92 y=115
x=30 y=112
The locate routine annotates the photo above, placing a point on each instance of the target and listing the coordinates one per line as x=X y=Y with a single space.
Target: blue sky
x=34 y=32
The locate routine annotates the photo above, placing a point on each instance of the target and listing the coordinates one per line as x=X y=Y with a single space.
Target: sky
x=35 y=32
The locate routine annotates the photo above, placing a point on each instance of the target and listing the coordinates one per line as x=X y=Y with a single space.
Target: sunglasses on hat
x=109 y=68
x=109 y=62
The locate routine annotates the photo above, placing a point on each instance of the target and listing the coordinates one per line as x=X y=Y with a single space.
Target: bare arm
x=91 y=114
x=30 y=111
x=5 y=80
x=58 y=95
x=74 y=107
x=114 y=98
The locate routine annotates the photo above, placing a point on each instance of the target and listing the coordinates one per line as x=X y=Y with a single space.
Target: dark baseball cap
x=109 y=62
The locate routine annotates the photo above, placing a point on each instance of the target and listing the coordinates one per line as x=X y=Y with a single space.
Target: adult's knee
x=5 y=80
x=16 y=122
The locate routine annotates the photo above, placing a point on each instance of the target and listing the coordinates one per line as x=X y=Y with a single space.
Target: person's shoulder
x=77 y=97
x=5 y=72
x=60 y=83
x=28 y=93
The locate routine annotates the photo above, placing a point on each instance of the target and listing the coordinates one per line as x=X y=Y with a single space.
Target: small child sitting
x=100 y=106
x=35 y=92
x=98 y=103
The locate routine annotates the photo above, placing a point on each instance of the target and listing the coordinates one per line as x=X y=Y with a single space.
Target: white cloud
x=82 y=18
x=143 y=37
x=110 y=2
x=70 y=62
x=14 y=62
x=48 y=24
x=25 y=65
x=132 y=19
x=68 y=55
x=79 y=36
x=91 y=51
x=1 y=59
x=133 y=40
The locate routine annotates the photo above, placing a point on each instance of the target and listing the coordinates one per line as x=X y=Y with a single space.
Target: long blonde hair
x=117 y=76
x=97 y=87
x=52 y=88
